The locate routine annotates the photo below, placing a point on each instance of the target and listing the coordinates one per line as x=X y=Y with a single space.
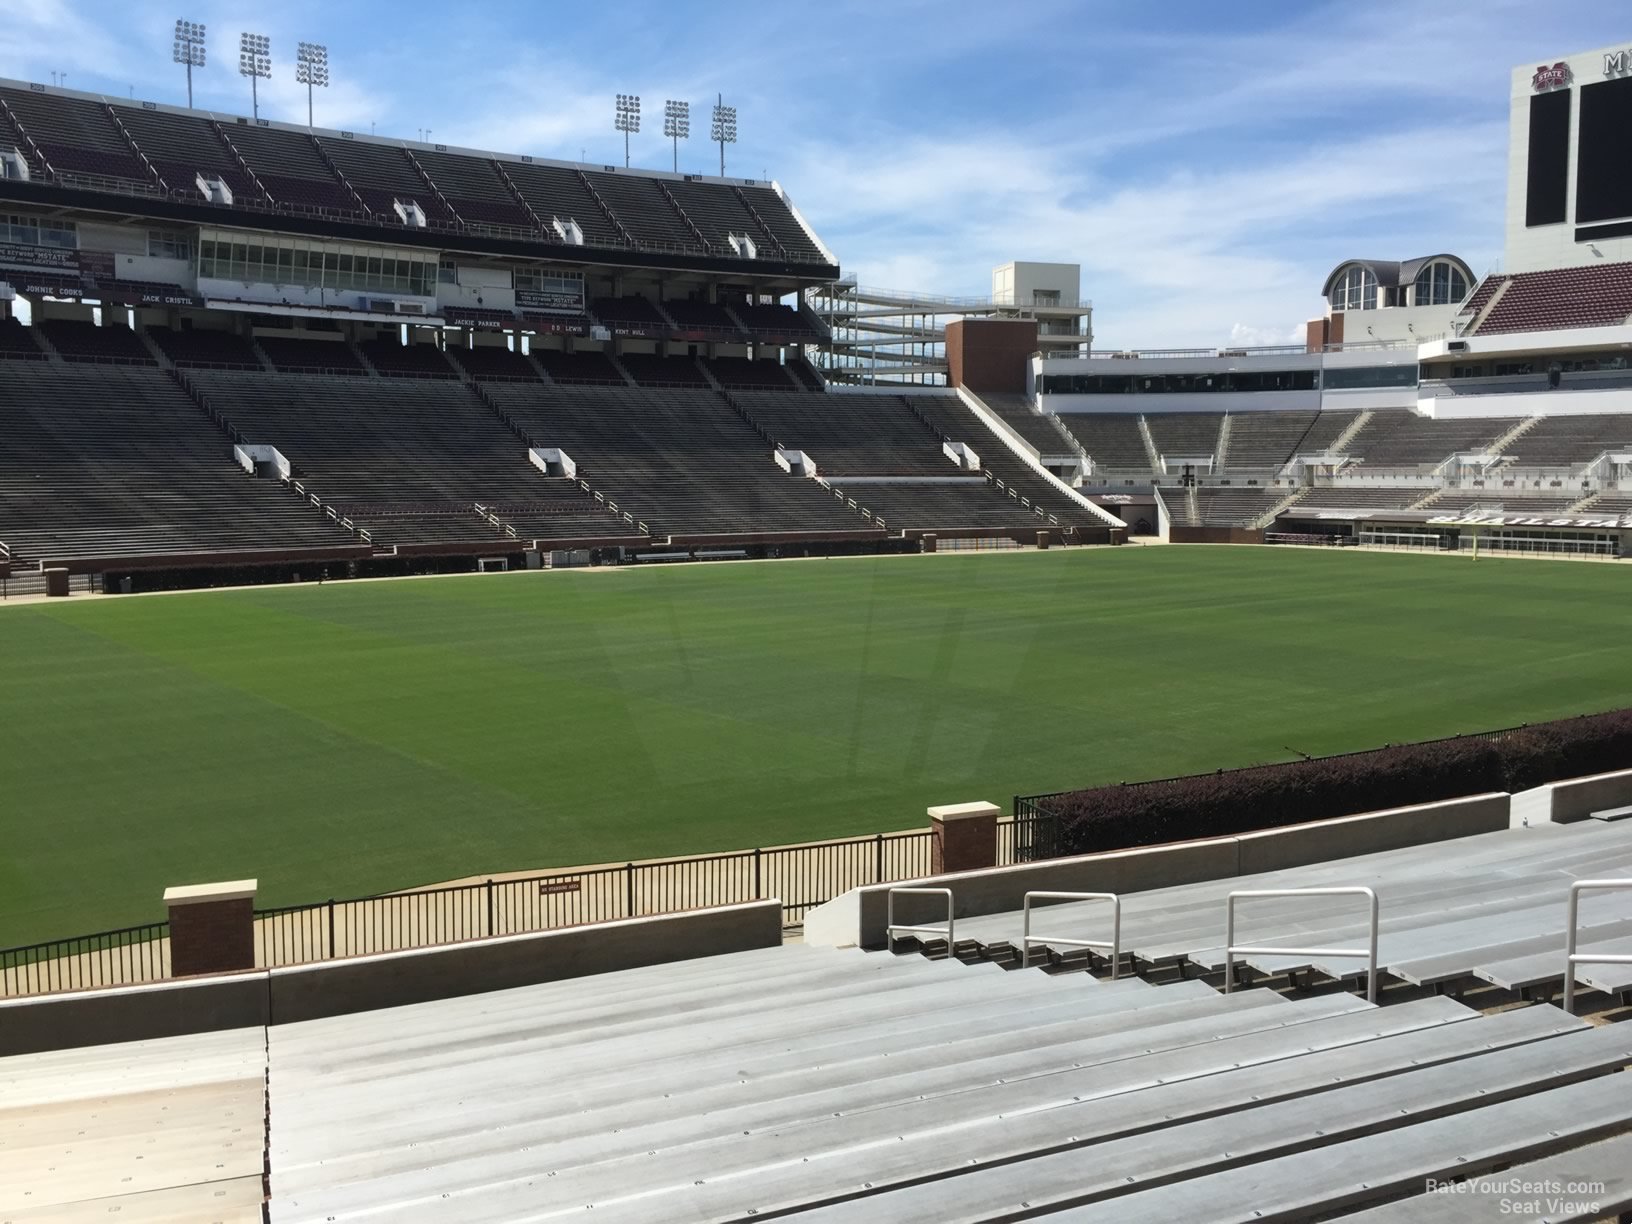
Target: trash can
x=56 y=582
x=927 y=542
x=1042 y=539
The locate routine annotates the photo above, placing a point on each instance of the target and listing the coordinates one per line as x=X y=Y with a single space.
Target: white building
x=1569 y=164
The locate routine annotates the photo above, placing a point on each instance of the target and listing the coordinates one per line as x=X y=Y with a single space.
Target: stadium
x=530 y=689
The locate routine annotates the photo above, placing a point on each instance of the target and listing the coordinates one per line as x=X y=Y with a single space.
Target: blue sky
x=1207 y=164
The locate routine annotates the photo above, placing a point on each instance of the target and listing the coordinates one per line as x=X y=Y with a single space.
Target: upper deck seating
x=78 y=136
x=638 y=202
x=475 y=189
x=291 y=169
x=384 y=176
x=1597 y=295
x=183 y=147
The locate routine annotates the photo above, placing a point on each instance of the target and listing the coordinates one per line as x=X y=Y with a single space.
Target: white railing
x=1114 y=945
x=1572 y=958
x=891 y=926
x=1232 y=949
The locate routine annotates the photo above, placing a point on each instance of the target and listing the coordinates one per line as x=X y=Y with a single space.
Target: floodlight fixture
x=189 y=50
x=677 y=126
x=312 y=71
x=724 y=128
x=627 y=120
x=254 y=62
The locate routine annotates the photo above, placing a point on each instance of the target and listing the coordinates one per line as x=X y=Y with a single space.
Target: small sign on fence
x=546 y=887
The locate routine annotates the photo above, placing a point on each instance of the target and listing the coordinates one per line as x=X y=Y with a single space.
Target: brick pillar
x=212 y=927
x=965 y=837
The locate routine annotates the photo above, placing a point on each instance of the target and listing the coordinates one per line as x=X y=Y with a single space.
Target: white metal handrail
x=891 y=926
x=1571 y=957
x=1232 y=949
x=1114 y=944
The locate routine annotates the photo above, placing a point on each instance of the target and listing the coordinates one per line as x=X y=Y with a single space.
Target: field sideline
x=360 y=737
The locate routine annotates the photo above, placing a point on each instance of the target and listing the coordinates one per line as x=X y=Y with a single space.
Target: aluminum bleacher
x=741 y=373
x=205 y=347
x=82 y=340
x=78 y=137
x=291 y=169
x=1112 y=439
x=1267 y=440
x=1236 y=507
x=116 y=461
x=1562 y=441
x=493 y=361
x=475 y=189
x=639 y=203
x=1398 y=437
x=557 y=193
x=1185 y=434
x=951 y=420
x=863 y=1087
x=384 y=176
x=183 y=147
x=408 y=460
x=1361 y=497
x=1017 y=411
x=391 y=357
x=850 y=435
x=650 y=370
x=303 y=355
x=678 y=459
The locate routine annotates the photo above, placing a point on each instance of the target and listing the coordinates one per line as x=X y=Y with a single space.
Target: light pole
x=189 y=50
x=677 y=126
x=627 y=120
x=724 y=129
x=311 y=70
x=254 y=62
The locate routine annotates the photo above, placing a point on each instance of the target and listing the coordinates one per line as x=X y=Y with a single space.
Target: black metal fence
x=108 y=958
x=802 y=876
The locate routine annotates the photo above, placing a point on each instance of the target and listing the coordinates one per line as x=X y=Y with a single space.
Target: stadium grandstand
x=411 y=355
x=254 y=351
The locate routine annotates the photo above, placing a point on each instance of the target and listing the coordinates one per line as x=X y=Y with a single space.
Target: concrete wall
x=335 y=988
x=340 y=987
x=132 y=1013
x=1575 y=799
x=859 y=916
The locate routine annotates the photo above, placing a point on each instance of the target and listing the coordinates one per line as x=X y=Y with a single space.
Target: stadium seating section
x=116 y=461
x=1593 y=296
x=124 y=147
x=416 y=446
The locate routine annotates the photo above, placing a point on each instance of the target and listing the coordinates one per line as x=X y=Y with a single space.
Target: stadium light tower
x=724 y=129
x=677 y=126
x=311 y=69
x=189 y=50
x=628 y=120
x=254 y=62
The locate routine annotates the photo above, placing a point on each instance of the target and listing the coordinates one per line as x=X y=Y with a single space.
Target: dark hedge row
x=1267 y=796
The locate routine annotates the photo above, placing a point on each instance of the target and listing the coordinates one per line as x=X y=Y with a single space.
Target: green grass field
x=354 y=738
